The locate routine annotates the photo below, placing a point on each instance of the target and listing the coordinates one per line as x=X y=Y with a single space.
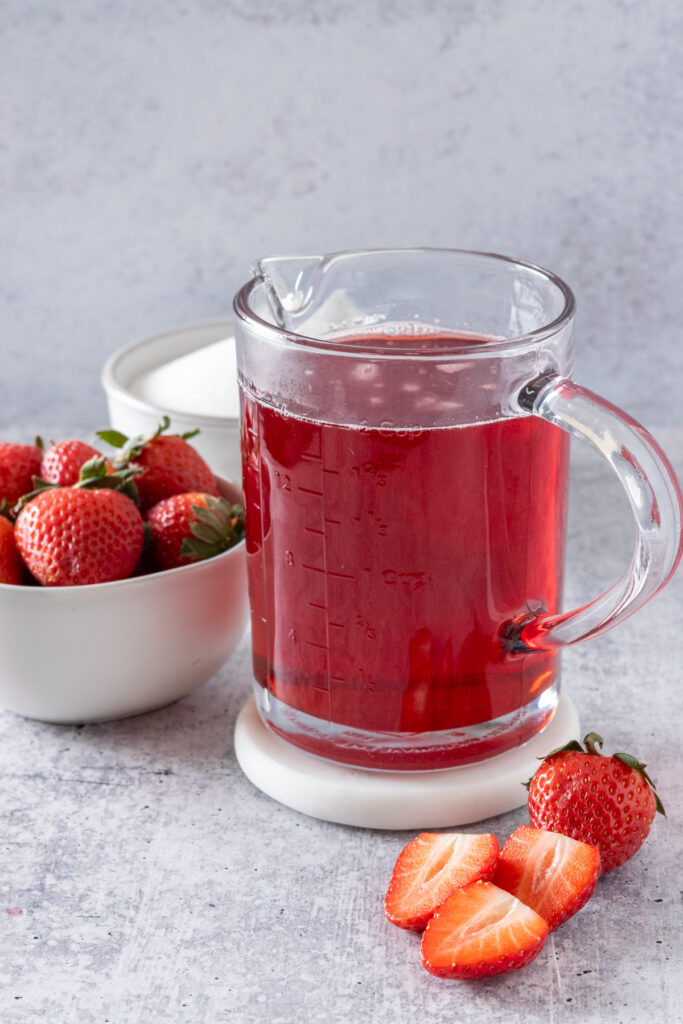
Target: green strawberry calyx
x=131 y=447
x=215 y=528
x=94 y=475
x=593 y=744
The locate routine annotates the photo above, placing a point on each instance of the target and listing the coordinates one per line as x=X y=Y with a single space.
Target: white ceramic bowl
x=109 y=650
x=218 y=440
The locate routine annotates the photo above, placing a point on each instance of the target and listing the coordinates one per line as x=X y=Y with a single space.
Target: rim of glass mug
x=518 y=342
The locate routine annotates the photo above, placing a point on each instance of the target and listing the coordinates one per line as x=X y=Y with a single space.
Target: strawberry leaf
x=207 y=516
x=114 y=438
x=633 y=762
x=209 y=534
x=658 y=803
x=572 y=745
x=215 y=528
x=39 y=485
x=114 y=482
x=130 y=448
x=93 y=469
x=197 y=549
x=95 y=476
x=217 y=504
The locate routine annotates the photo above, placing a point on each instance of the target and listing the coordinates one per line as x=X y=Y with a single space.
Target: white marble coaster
x=393 y=800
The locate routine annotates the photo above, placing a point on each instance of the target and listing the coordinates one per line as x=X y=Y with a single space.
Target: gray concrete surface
x=145 y=880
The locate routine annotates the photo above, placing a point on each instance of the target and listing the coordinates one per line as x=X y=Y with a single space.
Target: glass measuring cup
x=405 y=434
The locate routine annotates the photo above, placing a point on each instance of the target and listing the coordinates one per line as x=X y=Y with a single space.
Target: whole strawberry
x=609 y=802
x=68 y=536
x=19 y=463
x=11 y=566
x=167 y=464
x=188 y=527
x=61 y=463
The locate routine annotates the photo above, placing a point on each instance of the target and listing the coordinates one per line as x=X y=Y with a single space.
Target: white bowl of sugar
x=188 y=374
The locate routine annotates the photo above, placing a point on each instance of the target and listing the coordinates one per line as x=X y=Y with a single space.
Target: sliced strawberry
x=551 y=873
x=481 y=930
x=432 y=867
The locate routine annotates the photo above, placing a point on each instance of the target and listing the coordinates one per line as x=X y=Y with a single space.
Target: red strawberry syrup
x=383 y=564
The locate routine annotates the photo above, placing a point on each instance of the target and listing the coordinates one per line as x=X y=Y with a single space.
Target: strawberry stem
x=592 y=741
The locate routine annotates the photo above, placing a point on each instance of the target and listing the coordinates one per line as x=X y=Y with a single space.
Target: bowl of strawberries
x=122 y=575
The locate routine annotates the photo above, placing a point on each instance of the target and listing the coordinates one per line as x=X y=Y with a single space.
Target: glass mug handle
x=653 y=494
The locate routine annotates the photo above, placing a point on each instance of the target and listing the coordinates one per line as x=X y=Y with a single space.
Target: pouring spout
x=317 y=296
x=291 y=284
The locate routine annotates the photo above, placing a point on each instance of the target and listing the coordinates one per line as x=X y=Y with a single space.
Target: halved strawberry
x=432 y=867
x=481 y=930
x=551 y=873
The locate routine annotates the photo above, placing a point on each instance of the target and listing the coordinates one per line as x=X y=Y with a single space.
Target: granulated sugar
x=202 y=382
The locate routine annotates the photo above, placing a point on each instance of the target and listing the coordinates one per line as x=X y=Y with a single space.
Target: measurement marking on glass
x=327 y=579
x=329 y=635
x=255 y=433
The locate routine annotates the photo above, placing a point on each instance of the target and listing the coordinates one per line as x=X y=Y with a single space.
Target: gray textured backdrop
x=151 y=150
